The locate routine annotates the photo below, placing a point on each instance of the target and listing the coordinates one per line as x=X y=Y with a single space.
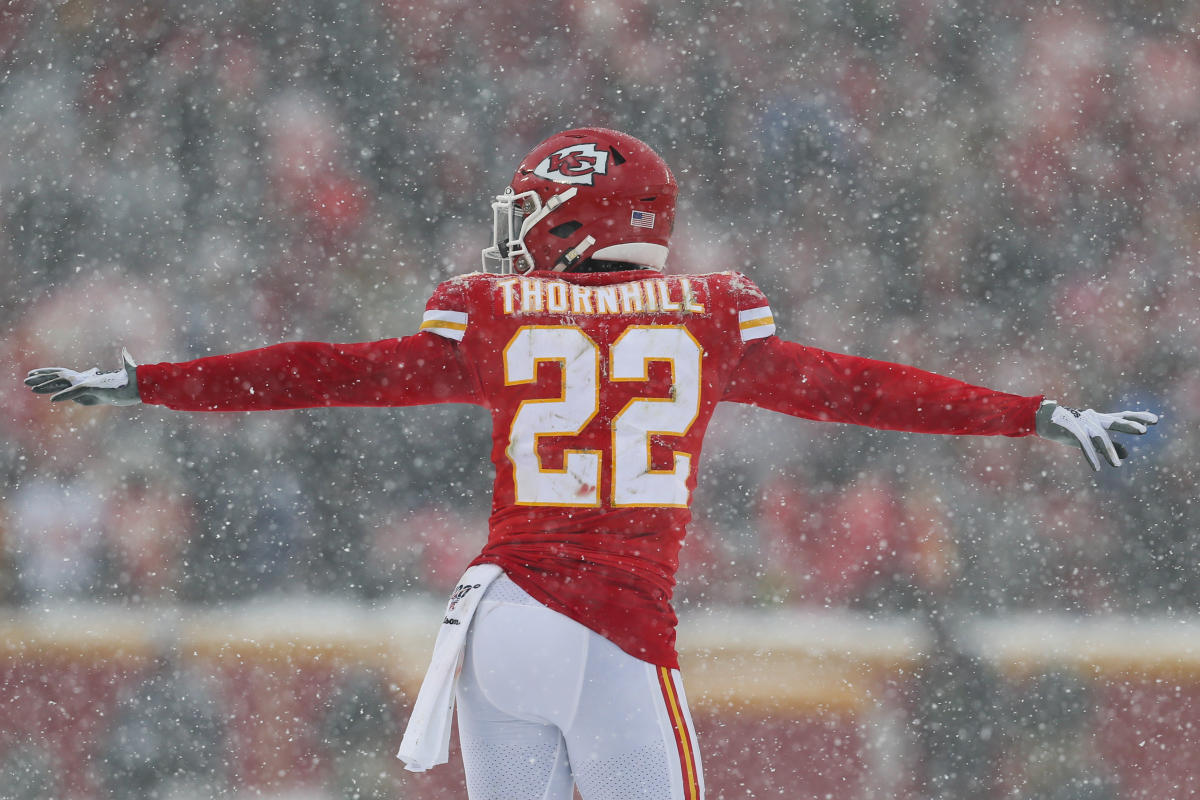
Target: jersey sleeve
x=820 y=385
x=415 y=370
x=424 y=368
x=817 y=384
x=754 y=317
x=447 y=312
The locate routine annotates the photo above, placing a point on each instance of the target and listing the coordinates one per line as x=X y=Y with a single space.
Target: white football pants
x=545 y=704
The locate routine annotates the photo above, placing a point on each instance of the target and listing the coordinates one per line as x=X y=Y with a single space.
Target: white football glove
x=88 y=388
x=1089 y=430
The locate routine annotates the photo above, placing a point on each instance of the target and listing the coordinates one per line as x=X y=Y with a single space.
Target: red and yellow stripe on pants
x=684 y=739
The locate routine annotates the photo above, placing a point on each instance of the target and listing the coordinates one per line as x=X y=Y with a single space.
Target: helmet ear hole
x=565 y=229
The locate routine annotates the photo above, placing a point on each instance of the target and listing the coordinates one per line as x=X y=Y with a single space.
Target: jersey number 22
x=577 y=483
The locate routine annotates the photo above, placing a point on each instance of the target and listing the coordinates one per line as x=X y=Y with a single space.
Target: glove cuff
x=1043 y=425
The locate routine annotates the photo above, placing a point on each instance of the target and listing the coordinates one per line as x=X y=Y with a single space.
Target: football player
x=601 y=374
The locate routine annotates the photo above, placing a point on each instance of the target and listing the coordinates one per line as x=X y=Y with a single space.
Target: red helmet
x=584 y=193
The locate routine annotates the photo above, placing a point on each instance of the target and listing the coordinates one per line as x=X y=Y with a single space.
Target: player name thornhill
x=534 y=295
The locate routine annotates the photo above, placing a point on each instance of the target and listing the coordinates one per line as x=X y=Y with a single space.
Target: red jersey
x=600 y=387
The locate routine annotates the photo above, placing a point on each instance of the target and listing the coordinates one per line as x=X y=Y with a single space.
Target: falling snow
x=241 y=605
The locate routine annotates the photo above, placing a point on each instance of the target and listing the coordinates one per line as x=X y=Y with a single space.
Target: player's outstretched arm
x=1091 y=431
x=817 y=384
x=415 y=370
x=90 y=388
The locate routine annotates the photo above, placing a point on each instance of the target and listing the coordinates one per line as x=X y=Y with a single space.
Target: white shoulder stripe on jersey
x=754 y=313
x=451 y=324
x=445 y=316
x=755 y=323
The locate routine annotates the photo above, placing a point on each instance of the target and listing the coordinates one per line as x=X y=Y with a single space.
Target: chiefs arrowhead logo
x=579 y=163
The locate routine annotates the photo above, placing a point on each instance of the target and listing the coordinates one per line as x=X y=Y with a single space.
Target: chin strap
x=570 y=258
x=533 y=219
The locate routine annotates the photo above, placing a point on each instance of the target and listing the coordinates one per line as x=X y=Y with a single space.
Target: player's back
x=601 y=386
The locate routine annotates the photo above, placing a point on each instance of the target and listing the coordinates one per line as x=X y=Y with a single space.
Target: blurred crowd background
x=1005 y=192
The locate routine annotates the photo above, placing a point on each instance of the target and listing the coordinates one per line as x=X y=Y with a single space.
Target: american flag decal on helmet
x=642 y=219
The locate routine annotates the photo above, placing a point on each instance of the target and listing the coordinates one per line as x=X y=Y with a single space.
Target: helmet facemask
x=514 y=215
